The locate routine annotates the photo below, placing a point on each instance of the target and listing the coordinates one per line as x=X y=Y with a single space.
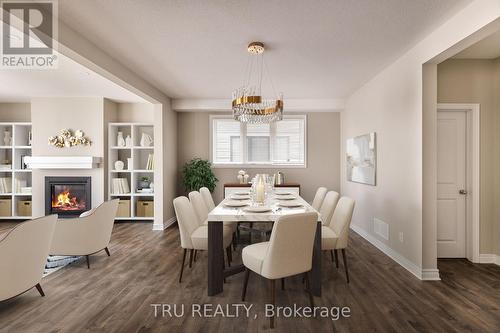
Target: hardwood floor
x=116 y=293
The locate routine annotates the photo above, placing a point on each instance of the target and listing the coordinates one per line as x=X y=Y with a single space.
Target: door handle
x=463 y=192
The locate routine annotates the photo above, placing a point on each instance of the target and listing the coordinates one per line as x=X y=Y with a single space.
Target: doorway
x=458 y=181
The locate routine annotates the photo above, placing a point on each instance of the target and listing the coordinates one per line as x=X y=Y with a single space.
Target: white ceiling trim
x=291 y=105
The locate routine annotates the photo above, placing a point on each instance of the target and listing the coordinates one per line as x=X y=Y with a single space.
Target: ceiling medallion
x=248 y=104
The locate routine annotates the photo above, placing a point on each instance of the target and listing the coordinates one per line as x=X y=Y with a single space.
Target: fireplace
x=67 y=196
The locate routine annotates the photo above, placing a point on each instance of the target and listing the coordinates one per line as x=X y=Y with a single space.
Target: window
x=280 y=143
x=227 y=141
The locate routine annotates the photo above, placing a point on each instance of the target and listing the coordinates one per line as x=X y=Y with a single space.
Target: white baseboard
x=426 y=274
x=430 y=274
x=489 y=259
x=165 y=225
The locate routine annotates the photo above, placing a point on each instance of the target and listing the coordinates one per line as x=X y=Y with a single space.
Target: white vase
x=120 y=141
x=146 y=140
x=129 y=163
x=7 y=138
x=128 y=141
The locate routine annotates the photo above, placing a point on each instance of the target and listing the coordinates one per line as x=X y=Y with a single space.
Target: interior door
x=451 y=184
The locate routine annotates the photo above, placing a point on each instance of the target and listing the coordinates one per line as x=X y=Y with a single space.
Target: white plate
x=258 y=209
x=290 y=204
x=235 y=203
x=240 y=197
x=242 y=193
x=286 y=197
x=283 y=193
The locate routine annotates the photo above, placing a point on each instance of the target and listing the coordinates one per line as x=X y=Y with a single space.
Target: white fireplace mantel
x=62 y=162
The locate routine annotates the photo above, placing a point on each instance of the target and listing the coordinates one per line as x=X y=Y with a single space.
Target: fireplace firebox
x=67 y=196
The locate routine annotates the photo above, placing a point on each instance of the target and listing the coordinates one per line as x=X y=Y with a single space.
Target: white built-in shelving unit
x=19 y=147
x=133 y=173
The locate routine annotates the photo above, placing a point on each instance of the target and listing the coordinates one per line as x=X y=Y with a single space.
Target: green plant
x=198 y=173
x=145 y=179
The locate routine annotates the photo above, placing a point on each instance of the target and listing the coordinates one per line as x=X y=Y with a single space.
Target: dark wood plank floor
x=116 y=294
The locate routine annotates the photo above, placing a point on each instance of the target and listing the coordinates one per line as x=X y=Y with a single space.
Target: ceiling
x=70 y=79
x=487 y=48
x=314 y=49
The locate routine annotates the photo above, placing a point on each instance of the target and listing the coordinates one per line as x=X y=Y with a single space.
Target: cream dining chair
x=288 y=252
x=319 y=197
x=328 y=206
x=210 y=204
x=23 y=255
x=335 y=235
x=194 y=236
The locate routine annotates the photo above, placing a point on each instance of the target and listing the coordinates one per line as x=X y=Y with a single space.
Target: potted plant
x=198 y=173
x=144 y=182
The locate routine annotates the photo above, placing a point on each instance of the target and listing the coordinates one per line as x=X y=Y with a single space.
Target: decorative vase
x=152 y=186
x=128 y=141
x=120 y=141
x=130 y=165
x=146 y=140
x=7 y=138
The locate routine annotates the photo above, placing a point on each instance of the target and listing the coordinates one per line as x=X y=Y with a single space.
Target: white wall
x=49 y=116
x=391 y=104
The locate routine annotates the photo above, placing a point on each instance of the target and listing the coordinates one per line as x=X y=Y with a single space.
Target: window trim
x=243 y=133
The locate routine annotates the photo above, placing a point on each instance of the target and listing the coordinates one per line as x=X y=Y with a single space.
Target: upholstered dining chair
x=328 y=206
x=207 y=197
x=23 y=255
x=204 y=197
x=288 y=252
x=335 y=235
x=319 y=197
x=86 y=235
x=194 y=236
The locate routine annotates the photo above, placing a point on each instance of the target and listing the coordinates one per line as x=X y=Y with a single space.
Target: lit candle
x=260 y=190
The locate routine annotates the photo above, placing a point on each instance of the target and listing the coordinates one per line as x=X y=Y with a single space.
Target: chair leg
x=331 y=252
x=273 y=300
x=191 y=254
x=40 y=290
x=107 y=251
x=194 y=257
x=308 y=287
x=229 y=256
x=245 y=284
x=234 y=241
x=282 y=283
x=344 y=256
x=336 y=258
x=182 y=266
x=88 y=261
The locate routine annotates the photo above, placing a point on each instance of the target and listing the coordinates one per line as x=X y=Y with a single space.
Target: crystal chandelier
x=249 y=106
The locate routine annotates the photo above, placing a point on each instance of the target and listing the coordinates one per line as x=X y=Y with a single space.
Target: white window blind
x=289 y=141
x=226 y=141
x=279 y=143
x=258 y=143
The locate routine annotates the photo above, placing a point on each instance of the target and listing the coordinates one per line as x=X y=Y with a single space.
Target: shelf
x=143 y=171
x=22 y=170
x=117 y=147
x=144 y=194
x=6 y=147
x=22 y=147
x=141 y=147
x=121 y=195
x=23 y=194
x=15 y=217
x=120 y=171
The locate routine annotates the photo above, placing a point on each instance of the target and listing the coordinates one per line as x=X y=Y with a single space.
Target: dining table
x=276 y=203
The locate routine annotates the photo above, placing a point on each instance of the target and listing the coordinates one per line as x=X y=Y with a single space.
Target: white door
x=451 y=184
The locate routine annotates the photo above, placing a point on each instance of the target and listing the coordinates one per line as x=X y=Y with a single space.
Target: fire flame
x=65 y=201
